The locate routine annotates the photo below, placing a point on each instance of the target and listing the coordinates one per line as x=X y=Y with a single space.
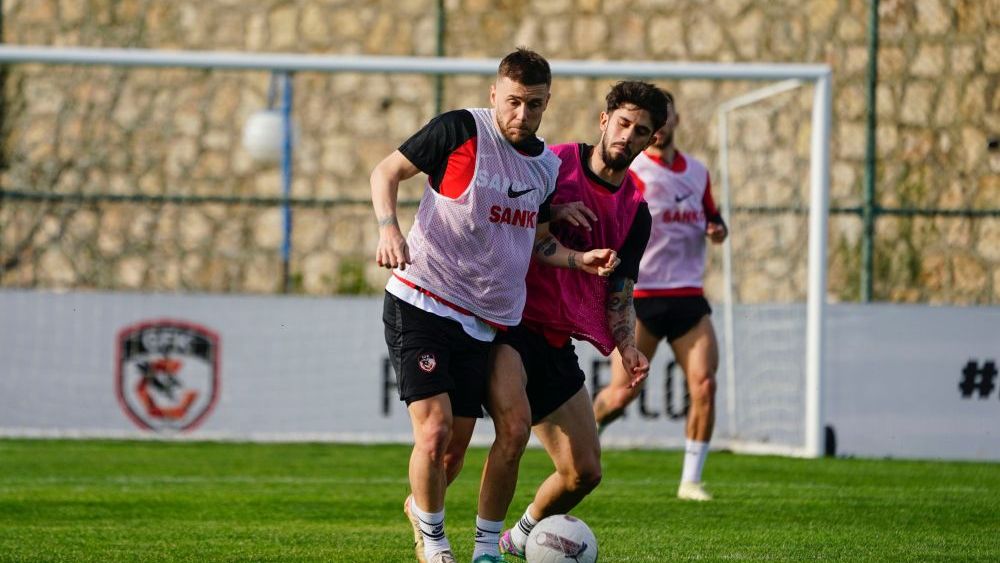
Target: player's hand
x=575 y=213
x=636 y=365
x=716 y=232
x=392 y=250
x=601 y=261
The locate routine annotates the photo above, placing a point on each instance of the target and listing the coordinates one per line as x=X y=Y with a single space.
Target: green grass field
x=177 y=501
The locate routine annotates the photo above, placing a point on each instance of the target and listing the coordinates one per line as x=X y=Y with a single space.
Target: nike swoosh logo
x=511 y=192
x=678 y=198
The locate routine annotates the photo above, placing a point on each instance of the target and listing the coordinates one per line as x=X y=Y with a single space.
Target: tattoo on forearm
x=547 y=246
x=572 y=260
x=621 y=313
x=616 y=302
x=623 y=336
x=387 y=220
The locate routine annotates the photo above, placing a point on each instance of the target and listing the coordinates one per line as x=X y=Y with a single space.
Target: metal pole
x=3 y=90
x=286 y=180
x=373 y=64
x=819 y=186
x=439 y=78
x=868 y=209
x=729 y=328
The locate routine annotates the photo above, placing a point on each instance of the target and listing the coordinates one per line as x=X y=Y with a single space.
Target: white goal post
x=819 y=158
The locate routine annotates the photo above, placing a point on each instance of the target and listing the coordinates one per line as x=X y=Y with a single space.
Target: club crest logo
x=167 y=376
x=427 y=362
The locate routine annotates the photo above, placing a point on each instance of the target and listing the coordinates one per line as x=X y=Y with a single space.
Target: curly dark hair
x=526 y=67
x=642 y=95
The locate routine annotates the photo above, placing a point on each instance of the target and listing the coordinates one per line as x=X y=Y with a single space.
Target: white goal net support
x=100 y=189
x=773 y=269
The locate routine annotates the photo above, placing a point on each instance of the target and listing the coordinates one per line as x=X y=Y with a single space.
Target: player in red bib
x=537 y=384
x=669 y=299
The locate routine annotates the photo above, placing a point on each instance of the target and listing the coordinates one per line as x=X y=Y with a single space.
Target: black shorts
x=671 y=317
x=433 y=355
x=554 y=374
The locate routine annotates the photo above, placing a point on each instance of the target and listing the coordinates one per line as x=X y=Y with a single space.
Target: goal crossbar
x=291 y=62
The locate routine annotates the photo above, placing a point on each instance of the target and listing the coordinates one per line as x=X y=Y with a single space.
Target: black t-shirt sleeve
x=430 y=147
x=545 y=209
x=635 y=244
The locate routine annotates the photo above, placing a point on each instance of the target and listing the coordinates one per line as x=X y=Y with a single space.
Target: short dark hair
x=670 y=99
x=642 y=95
x=526 y=67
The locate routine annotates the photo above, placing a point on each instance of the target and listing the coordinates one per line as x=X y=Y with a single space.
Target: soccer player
x=669 y=299
x=536 y=383
x=459 y=274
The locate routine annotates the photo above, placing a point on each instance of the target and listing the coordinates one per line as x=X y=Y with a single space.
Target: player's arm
x=548 y=250
x=392 y=251
x=715 y=228
x=621 y=320
x=428 y=151
x=620 y=305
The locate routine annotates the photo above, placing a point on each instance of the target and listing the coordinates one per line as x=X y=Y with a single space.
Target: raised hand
x=575 y=213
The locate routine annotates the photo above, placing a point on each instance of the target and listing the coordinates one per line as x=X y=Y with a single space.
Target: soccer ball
x=561 y=538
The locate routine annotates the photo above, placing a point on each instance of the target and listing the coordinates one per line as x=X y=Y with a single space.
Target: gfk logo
x=167 y=376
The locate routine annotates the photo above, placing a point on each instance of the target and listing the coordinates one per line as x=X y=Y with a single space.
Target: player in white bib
x=669 y=296
x=459 y=275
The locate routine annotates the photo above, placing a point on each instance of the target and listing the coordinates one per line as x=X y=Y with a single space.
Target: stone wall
x=83 y=130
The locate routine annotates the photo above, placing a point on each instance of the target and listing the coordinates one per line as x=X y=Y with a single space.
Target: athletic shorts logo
x=427 y=362
x=167 y=376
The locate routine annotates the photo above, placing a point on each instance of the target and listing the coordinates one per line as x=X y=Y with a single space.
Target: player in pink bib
x=669 y=299
x=536 y=384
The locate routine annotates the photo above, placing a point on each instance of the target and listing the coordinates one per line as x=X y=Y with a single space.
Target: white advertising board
x=900 y=381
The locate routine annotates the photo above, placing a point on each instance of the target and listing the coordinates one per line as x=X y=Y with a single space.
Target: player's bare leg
x=569 y=435
x=511 y=414
x=697 y=352
x=454 y=456
x=431 y=420
x=610 y=403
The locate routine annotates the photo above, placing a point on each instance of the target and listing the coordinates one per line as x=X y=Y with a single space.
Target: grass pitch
x=179 y=501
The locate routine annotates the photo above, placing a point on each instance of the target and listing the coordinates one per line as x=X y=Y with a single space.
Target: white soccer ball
x=561 y=538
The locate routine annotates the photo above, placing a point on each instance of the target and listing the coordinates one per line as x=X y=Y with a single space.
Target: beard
x=515 y=135
x=617 y=162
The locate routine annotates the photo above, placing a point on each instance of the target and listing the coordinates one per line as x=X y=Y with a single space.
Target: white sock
x=695 y=453
x=487 y=537
x=432 y=527
x=519 y=533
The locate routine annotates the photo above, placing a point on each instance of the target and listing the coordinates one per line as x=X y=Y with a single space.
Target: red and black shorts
x=554 y=374
x=433 y=355
x=671 y=317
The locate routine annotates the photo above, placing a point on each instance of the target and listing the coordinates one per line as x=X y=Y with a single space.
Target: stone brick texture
x=142 y=132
